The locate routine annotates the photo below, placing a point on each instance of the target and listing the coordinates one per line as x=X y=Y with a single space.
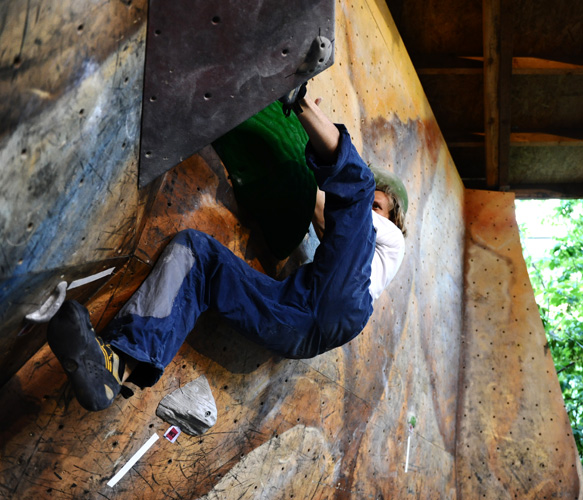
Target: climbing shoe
x=93 y=368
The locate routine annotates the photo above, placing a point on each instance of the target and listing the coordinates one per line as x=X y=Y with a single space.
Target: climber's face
x=382 y=204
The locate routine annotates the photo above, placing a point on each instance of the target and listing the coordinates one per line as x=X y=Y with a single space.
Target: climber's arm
x=323 y=134
x=318 y=217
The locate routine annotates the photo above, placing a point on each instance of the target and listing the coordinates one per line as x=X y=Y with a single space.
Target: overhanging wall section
x=70 y=108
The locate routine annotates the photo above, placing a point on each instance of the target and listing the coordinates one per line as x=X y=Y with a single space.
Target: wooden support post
x=491 y=16
x=497 y=41
x=504 y=91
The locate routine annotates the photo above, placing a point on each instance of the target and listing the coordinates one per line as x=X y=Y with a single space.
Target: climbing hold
x=51 y=305
x=192 y=407
x=317 y=57
x=291 y=100
x=265 y=158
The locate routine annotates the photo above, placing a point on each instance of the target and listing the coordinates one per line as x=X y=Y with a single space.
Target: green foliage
x=556 y=280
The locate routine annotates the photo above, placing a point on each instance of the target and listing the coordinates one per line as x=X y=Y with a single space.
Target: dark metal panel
x=211 y=65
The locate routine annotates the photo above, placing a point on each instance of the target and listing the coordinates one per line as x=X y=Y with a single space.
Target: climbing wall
x=211 y=65
x=71 y=124
x=70 y=99
x=335 y=426
x=514 y=435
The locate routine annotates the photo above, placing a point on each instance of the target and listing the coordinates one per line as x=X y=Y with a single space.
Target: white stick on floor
x=113 y=481
x=89 y=279
x=407 y=459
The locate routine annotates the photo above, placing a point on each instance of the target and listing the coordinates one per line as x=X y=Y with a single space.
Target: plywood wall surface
x=335 y=426
x=514 y=436
x=70 y=108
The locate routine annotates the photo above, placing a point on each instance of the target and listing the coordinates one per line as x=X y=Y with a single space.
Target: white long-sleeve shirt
x=388 y=254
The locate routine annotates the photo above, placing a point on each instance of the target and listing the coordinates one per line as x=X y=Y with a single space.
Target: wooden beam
x=542 y=138
x=541 y=66
x=442 y=64
x=546 y=191
x=497 y=36
x=463 y=139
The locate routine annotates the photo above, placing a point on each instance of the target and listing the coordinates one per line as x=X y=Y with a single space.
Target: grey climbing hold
x=45 y=312
x=192 y=407
x=317 y=57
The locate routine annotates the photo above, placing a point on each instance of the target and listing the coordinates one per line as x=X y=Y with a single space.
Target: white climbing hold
x=317 y=57
x=51 y=305
x=192 y=407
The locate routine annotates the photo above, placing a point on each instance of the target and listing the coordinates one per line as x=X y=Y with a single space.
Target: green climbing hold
x=265 y=160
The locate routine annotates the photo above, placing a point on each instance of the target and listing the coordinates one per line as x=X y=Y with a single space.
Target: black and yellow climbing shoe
x=93 y=368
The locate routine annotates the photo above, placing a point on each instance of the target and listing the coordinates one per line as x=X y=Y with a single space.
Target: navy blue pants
x=323 y=305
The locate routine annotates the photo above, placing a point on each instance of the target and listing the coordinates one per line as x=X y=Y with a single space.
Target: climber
x=359 y=218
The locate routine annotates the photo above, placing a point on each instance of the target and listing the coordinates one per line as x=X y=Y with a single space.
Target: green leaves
x=556 y=280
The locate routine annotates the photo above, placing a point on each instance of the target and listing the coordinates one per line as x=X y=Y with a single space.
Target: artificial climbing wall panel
x=70 y=106
x=332 y=427
x=514 y=436
x=211 y=65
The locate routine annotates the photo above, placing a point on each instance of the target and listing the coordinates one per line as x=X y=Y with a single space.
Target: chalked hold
x=192 y=407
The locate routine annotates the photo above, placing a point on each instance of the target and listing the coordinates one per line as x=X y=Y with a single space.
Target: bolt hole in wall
x=551 y=234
